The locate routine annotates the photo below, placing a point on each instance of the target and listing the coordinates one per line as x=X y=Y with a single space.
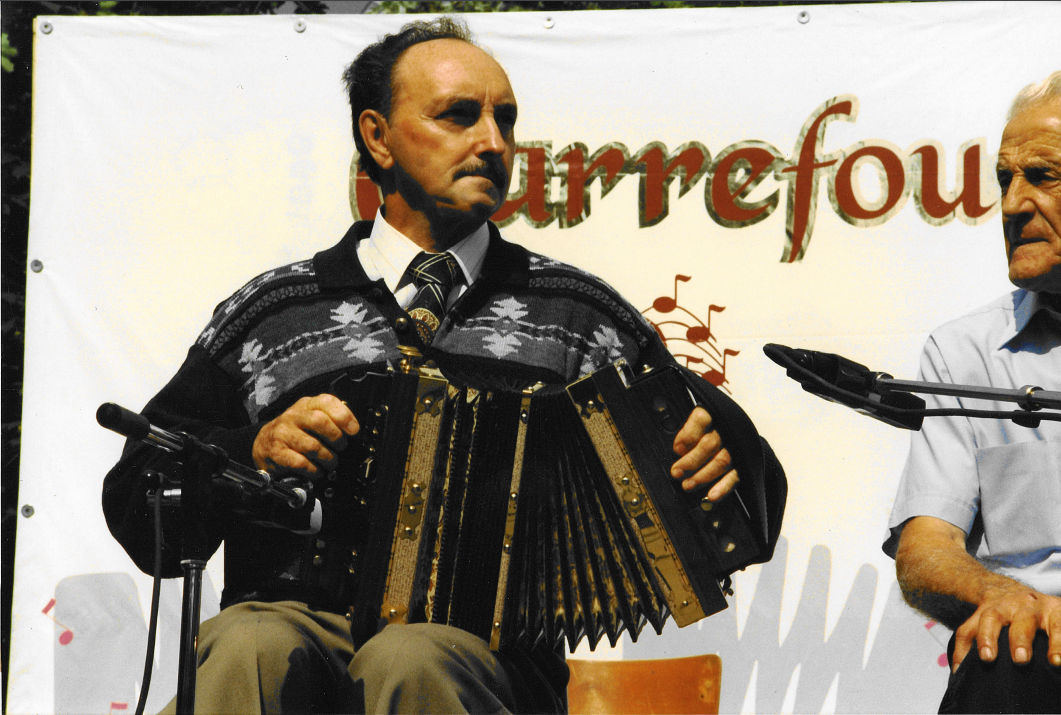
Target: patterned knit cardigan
x=291 y=331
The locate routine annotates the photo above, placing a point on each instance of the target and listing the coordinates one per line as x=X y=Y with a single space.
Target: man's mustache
x=494 y=171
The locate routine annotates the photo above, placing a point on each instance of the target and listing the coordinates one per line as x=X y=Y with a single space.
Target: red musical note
x=118 y=706
x=702 y=333
x=67 y=635
x=689 y=359
x=665 y=304
x=716 y=377
x=697 y=335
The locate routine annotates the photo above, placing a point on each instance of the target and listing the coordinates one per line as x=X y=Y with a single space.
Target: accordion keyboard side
x=693 y=542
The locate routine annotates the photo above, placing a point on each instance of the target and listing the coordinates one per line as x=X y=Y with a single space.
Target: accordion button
x=321 y=544
x=393 y=613
x=729 y=547
x=401 y=324
x=318 y=560
x=329 y=493
x=412 y=508
x=706 y=504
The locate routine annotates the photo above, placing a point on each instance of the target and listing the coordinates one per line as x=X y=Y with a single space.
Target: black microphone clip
x=846 y=382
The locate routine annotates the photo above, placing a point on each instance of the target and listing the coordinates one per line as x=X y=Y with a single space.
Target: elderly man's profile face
x=1029 y=174
x=451 y=129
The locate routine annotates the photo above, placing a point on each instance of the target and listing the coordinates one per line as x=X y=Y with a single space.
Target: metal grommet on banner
x=548 y=24
x=300 y=25
x=46 y=27
x=36 y=266
x=803 y=17
x=27 y=511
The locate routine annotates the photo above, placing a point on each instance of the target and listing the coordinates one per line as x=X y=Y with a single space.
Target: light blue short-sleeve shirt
x=997 y=481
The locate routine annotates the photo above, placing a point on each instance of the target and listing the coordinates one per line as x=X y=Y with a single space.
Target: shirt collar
x=340 y=267
x=1026 y=305
x=392 y=251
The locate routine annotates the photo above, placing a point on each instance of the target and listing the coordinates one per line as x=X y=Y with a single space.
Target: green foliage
x=6 y=54
x=469 y=6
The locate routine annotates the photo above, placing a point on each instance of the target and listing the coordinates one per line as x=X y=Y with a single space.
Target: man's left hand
x=702 y=458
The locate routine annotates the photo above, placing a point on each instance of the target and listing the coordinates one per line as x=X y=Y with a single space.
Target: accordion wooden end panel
x=547 y=514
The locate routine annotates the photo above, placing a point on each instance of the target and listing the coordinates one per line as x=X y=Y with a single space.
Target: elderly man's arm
x=940 y=578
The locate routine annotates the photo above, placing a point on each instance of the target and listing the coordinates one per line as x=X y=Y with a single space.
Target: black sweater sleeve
x=202 y=401
x=763 y=486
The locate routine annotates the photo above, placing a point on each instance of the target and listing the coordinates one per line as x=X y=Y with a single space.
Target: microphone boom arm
x=1028 y=397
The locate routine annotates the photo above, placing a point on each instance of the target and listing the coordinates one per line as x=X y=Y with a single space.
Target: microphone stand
x=199 y=464
x=879 y=395
x=1028 y=397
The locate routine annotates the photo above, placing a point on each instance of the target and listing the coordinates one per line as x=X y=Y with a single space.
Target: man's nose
x=490 y=140
x=1017 y=198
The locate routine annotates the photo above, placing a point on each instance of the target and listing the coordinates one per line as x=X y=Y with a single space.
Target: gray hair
x=1035 y=93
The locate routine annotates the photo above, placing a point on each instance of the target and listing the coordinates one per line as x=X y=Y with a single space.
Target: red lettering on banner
x=803 y=186
x=607 y=162
x=737 y=171
x=690 y=161
x=847 y=197
x=732 y=178
x=531 y=200
x=934 y=203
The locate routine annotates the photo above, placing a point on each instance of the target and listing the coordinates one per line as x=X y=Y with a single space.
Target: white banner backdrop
x=817 y=176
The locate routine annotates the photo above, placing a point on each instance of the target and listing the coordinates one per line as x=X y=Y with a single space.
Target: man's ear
x=374 y=132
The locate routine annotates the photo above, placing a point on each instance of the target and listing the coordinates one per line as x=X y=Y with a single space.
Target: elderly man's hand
x=1022 y=609
x=306 y=437
x=702 y=458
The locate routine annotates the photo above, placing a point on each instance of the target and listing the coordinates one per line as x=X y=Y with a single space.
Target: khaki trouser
x=287 y=658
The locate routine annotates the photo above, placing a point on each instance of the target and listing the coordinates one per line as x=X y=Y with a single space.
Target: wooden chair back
x=666 y=685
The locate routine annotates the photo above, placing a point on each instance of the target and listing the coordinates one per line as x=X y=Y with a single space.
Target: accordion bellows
x=527 y=515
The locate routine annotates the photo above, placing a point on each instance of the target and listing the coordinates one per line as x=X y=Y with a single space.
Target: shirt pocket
x=1020 y=499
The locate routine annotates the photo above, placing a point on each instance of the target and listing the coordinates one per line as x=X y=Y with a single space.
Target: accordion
x=547 y=513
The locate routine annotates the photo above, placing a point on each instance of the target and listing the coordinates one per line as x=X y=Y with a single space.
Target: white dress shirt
x=387 y=252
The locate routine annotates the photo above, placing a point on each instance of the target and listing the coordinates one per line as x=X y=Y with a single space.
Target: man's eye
x=506 y=121
x=1004 y=179
x=1039 y=175
x=462 y=114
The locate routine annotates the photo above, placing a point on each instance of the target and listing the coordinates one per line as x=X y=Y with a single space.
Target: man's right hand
x=932 y=562
x=1025 y=611
x=306 y=437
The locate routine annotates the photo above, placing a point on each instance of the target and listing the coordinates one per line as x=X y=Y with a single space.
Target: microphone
x=836 y=370
x=837 y=379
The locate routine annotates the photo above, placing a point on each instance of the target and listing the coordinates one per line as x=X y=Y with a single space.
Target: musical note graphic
x=67 y=635
x=716 y=377
x=942 y=659
x=689 y=338
x=666 y=304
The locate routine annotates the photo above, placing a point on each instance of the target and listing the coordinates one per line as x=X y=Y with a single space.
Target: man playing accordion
x=433 y=120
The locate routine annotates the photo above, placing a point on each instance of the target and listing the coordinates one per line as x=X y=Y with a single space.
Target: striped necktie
x=434 y=275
